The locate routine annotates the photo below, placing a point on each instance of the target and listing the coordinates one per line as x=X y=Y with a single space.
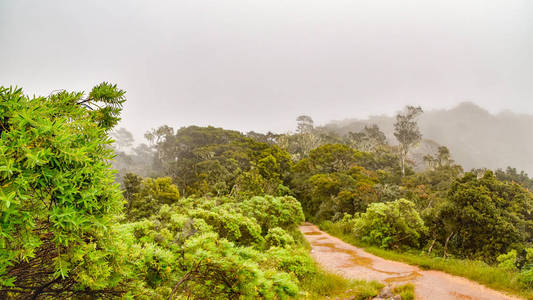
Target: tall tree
x=123 y=138
x=407 y=132
x=305 y=124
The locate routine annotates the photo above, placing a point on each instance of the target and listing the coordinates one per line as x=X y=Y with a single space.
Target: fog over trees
x=476 y=137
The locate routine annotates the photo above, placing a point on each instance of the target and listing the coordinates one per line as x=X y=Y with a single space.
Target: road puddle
x=313 y=233
x=355 y=260
x=403 y=278
x=462 y=296
x=366 y=262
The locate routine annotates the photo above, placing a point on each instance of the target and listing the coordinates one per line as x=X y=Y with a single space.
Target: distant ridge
x=476 y=137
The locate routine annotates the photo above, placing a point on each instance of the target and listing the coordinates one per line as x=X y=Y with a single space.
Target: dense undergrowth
x=220 y=248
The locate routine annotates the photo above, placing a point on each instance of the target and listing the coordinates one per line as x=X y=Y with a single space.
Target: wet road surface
x=352 y=262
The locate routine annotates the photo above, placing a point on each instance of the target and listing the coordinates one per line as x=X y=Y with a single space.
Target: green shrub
x=507 y=261
x=273 y=212
x=58 y=200
x=390 y=225
x=216 y=252
x=278 y=237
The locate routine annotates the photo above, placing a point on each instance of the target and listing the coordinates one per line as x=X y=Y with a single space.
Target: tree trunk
x=431 y=247
x=182 y=280
x=446 y=244
x=402 y=161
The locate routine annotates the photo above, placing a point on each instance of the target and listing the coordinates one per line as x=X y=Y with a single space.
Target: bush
x=390 y=225
x=507 y=261
x=216 y=252
x=273 y=212
x=278 y=237
x=58 y=200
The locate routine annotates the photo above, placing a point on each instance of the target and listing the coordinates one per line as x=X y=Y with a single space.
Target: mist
x=257 y=65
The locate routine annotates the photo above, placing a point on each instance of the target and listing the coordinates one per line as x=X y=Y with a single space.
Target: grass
x=490 y=276
x=407 y=291
x=323 y=284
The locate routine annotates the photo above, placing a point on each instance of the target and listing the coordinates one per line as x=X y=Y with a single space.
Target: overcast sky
x=256 y=65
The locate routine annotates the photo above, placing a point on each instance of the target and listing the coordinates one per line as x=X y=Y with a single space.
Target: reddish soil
x=352 y=262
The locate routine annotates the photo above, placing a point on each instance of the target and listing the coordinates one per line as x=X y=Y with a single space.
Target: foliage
x=487 y=216
x=146 y=198
x=390 y=225
x=328 y=170
x=522 y=262
x=214 y=161
x=334 y=194
x=507 y=261
x=406 y=291
x=270 y=212
x=63 y=232
x=511 y=175
x=132 y=186
x=58 y=203
x=210 y=248
x=367 y=139
x=278 y=237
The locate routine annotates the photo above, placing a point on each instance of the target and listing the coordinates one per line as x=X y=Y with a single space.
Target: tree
x=305 y=139
x=123 y=138
x=58 y=202
x=367 y=139
x=407 y=132
x=150 y=196
x=305 y=124
x=157 y=135
x=140 y=160
x=511 y=175
x=442 y=159
x=486 y=216
x=132 y=185
x=211 y=161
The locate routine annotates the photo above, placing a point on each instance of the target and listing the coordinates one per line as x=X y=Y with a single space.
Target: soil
x=355 y=263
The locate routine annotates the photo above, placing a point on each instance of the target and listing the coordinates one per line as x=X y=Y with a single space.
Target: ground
x=352 y=262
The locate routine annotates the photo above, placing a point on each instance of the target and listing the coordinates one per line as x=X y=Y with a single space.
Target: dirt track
x=352 y=262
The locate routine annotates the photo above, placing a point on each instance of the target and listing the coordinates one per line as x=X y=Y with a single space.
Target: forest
x=198 y=212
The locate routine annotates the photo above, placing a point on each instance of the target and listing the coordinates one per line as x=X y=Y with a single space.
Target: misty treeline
x=210 y=213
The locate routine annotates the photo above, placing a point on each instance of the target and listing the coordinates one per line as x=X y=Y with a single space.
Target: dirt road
x=352 y=262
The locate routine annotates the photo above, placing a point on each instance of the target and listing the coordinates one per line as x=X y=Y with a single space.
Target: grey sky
x=256 y=65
